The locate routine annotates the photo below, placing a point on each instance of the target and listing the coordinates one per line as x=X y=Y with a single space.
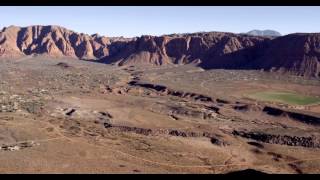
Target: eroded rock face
x=168 y=49
x=295 y=53
x=181 y=49
x=51 y=40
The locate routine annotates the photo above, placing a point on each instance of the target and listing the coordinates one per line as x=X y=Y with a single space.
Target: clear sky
x=136 y=21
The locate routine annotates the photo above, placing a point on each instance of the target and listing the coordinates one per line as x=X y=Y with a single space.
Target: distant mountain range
x=263 y=33
x=297 y=53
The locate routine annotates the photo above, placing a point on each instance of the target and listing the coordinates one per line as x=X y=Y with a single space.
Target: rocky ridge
x=298 y=53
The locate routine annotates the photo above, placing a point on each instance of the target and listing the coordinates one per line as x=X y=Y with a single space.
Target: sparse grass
x=285 y=97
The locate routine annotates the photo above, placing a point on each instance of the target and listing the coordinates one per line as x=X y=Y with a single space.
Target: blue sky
x=136 y=21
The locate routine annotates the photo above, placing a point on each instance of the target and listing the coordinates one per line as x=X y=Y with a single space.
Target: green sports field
x=284 y=97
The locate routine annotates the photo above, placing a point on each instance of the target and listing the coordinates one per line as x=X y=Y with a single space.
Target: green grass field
x=285 y=97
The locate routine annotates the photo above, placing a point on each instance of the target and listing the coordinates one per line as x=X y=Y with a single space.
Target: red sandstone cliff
x=295 y=53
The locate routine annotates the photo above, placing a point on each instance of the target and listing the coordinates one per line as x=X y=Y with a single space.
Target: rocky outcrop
x=167 y=91
x=171 y=132
x=304 y=118
x=310 y=142
x=18 y=146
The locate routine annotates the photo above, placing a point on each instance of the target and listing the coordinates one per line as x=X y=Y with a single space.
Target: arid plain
x=64 y=115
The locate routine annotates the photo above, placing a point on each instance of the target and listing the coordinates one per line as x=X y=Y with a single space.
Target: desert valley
x=207 y=102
